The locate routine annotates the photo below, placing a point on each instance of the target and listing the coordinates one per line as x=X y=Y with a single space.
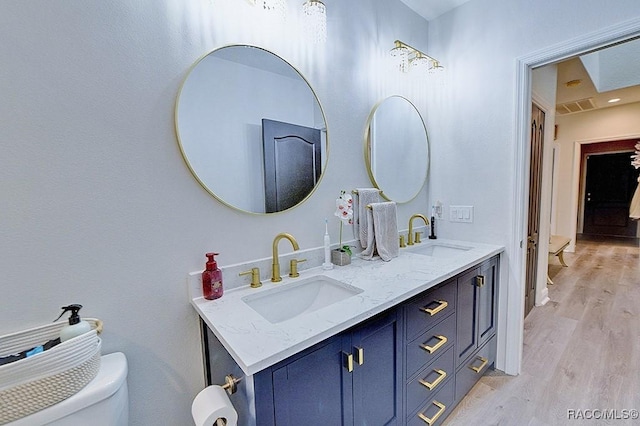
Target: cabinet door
x=309 y=390
x=376 y=374
x=487 y=302
x=466 y=315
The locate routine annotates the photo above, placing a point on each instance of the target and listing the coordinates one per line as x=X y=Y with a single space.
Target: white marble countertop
x=255 y=343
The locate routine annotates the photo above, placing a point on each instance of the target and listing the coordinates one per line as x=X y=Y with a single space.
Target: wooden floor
x=581 y=350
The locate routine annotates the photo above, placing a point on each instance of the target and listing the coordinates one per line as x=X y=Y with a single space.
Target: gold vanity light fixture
x=315 y=20
x=409 y=58
x=275 y=7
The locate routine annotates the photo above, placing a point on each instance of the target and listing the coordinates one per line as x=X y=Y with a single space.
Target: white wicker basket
x=44 y=379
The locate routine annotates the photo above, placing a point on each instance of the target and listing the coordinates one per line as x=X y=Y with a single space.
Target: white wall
x=619 y=122
x=97 y=204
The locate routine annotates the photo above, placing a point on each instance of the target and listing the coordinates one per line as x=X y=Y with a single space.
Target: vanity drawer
x=474 y=368
x=430 y=381
x=436 y=409
x=430 y=345
x=429 y=309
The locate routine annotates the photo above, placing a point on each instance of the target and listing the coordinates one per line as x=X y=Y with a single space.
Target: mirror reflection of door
x=535 y=190
x=609 y=187
x=292 y=163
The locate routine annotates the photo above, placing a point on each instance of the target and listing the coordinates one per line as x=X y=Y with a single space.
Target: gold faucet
x=275 y=274
x=410 y=236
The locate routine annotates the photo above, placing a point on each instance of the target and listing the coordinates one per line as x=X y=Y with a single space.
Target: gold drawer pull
x=442 y=304
x=348 y=360
x=432 y=349
x=359 y=355
x=481 y=366
x=480 y=280
x=433 y=419
x=441 y=375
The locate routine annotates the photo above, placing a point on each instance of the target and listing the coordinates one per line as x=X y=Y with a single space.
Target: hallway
x=581 y=350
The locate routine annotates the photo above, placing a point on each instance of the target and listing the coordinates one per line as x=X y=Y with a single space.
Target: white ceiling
x=430 y=9
x=603 y=75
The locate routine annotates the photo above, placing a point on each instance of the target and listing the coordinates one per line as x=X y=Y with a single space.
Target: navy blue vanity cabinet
x=477 y=293
x=476 y=324
x=376 y=374
x=429 y=367
x=350 y=379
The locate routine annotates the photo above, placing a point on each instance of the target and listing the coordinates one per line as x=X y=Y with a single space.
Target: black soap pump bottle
x=76 y=326
x=212 y=279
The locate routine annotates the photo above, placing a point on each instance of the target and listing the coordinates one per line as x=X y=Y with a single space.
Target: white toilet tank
x=103 y=402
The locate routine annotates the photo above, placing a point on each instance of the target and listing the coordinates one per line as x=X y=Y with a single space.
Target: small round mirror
x=397 y=149
x=251 y=129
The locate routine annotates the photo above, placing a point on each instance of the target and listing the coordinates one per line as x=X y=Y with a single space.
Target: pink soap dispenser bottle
x=212 y=279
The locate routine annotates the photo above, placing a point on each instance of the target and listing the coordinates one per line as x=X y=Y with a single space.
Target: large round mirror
x=397 y=149
x=251 y=129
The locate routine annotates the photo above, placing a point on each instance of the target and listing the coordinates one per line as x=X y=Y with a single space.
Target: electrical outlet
x=461 y=214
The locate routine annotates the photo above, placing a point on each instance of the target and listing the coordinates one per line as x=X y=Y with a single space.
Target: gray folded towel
x=382 y=231
x=363 y=197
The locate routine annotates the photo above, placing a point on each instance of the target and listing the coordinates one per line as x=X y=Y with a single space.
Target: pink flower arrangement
x=344 y=211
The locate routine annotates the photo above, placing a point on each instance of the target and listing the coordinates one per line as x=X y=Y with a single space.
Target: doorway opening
x=510 y=347
x=607 y=184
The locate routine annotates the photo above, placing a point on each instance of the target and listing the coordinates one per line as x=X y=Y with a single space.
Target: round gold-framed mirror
x=396 y=149
x=251 y=129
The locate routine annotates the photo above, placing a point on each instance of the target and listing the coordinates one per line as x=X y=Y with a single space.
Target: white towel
x=364 y=197
x=382 y=232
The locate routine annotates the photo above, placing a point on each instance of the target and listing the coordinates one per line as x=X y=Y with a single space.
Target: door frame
x=511 y=303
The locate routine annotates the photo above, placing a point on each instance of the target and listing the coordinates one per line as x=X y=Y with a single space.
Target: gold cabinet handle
x=432 y=420
x=480 y=280
x=483 y=361
x=441 y=305
x=441 y=375
x=432 y=349
x=359 y=355
x=348 y=361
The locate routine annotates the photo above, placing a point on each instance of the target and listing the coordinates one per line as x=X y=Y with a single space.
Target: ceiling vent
x=575 y=106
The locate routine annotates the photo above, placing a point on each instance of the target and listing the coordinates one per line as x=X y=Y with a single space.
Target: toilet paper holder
x=231 y=384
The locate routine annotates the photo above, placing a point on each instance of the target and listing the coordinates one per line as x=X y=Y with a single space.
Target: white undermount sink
x=299 y=297
x=438 y=249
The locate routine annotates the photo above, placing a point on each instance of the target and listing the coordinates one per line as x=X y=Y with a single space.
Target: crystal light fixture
x=315 y=17
x=407 y=59
x=420 y=64
x=435 y=67
x=275 y=7
x=400 y=55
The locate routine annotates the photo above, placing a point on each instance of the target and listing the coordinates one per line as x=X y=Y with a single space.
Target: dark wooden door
x=609 y=187
x=535 y=190
x=292 y=163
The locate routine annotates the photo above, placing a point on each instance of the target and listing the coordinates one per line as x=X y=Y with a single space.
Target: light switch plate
x=461 y=214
